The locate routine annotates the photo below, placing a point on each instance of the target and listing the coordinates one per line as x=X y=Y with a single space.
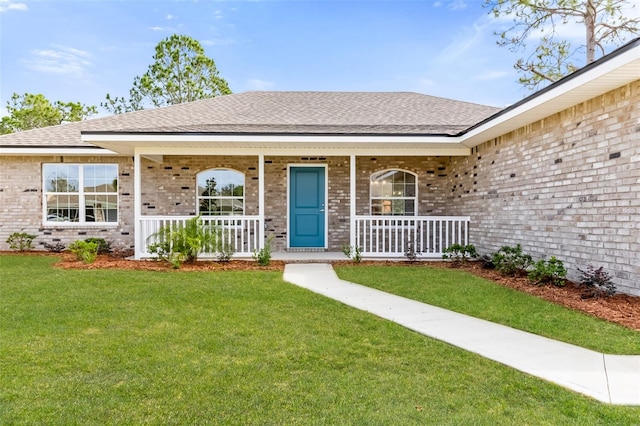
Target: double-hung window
x=80 y=193
x=393 y=193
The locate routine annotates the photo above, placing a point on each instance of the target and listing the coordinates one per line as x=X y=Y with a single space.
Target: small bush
x=225 y=252
x=460 y=253
x=84 y=251
x=263 y=256
x=179 y=243
x=55 y=247
x=104 y=247
x=21 y=241
x=549 y=272
x=353 y=253
x=511 y=260
x=597 y=282
x=410 y=253
x=486 y=262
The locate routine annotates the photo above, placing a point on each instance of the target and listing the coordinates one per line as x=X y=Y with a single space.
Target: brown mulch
x=622 y=309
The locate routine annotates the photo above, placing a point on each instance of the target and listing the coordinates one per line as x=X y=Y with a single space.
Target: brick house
x=558 y=172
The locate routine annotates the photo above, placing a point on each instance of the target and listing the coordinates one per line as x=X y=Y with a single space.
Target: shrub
x=597 y=282
x=84 y=251
x=21 y=241
x=353 y=253
x=460 y=253
x=104 y=247
x=511 y=260
x=263 y=256
x=549 y=272
x=410 y=253
x=225 y=252
x=55 y=247
x=180 y=242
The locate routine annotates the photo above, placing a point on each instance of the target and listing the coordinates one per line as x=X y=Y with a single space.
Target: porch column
x=137 y=205
x=352 y=200
x=261 y=221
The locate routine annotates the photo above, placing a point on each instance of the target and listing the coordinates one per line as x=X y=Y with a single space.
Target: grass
x=131 y=347
x=465 y=293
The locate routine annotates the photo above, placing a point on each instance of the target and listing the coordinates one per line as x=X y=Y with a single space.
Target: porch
x=375 y=236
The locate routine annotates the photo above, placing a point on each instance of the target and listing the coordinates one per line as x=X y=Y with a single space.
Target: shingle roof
x=344 y=113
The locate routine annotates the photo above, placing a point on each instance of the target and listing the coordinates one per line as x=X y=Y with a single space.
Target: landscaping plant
x=55 y=247
x=511 y=260
x=263 y=256
x=353 y=253
x=459 y=252
x=597 y=282
x=84 y=251
x=104 y=247
x=20 y=241
x=549 y=272
x=184 y=242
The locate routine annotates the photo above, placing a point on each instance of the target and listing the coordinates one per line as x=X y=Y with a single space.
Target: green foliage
x=459 y=252
x=84 y=250
x=263 y=256
x=549 y=272
x=511 y=260
x=181 y=72
x=606 y=23
x=21 y=241
x=104 y=247
x=183 y=242
x=597 y=282
x=353 y=253
x=225 y=251
x=31 y=111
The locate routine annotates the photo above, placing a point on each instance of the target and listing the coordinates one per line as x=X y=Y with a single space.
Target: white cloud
x=6 y=5
x=491 y=75
x=217 y=42
x=59 y=60
x=169 y=17
x=257 y=84
x=462 y=43
x=457 y=5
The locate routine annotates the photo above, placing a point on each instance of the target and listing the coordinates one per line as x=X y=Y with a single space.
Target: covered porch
x=344 y=208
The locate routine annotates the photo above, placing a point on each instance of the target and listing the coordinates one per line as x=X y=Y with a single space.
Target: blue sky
x=82 y=50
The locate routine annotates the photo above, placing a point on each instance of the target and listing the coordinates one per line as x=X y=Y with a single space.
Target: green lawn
x=131 y=347
x=463 y=292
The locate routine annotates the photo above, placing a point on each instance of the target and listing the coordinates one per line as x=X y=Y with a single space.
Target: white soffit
x=612 y=74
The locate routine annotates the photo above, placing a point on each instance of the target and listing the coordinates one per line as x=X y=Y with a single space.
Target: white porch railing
x=427 y=236
x=240 y=232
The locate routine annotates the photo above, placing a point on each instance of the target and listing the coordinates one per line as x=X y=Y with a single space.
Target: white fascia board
x=582 y=88
x=306 y=151
x=35 y=151
x=127 y=139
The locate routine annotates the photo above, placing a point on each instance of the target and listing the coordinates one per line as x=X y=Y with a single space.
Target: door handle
x=321 y=210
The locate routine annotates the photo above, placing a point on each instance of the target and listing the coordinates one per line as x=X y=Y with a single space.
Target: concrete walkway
x=613 y=379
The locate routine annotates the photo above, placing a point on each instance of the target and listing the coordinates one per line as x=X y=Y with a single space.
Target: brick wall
x=21 y=203
x=565 y=186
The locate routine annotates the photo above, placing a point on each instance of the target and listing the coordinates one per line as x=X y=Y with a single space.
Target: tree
x=31 y=111
x=605 y=22
x=180 y=73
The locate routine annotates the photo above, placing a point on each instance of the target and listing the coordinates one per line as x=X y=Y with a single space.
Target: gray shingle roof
x=345 y=113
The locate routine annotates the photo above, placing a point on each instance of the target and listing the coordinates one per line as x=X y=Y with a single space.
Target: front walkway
x=613 y=379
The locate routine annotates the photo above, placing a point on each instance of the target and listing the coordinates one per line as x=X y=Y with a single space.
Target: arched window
x=220 y=192
x=393 y=193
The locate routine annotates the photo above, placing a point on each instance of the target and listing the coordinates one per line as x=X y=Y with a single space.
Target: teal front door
x=306 y=207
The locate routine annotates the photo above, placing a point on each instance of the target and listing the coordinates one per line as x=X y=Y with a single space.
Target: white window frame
x=81 y=194
x=222 y=197
x=414 y=198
